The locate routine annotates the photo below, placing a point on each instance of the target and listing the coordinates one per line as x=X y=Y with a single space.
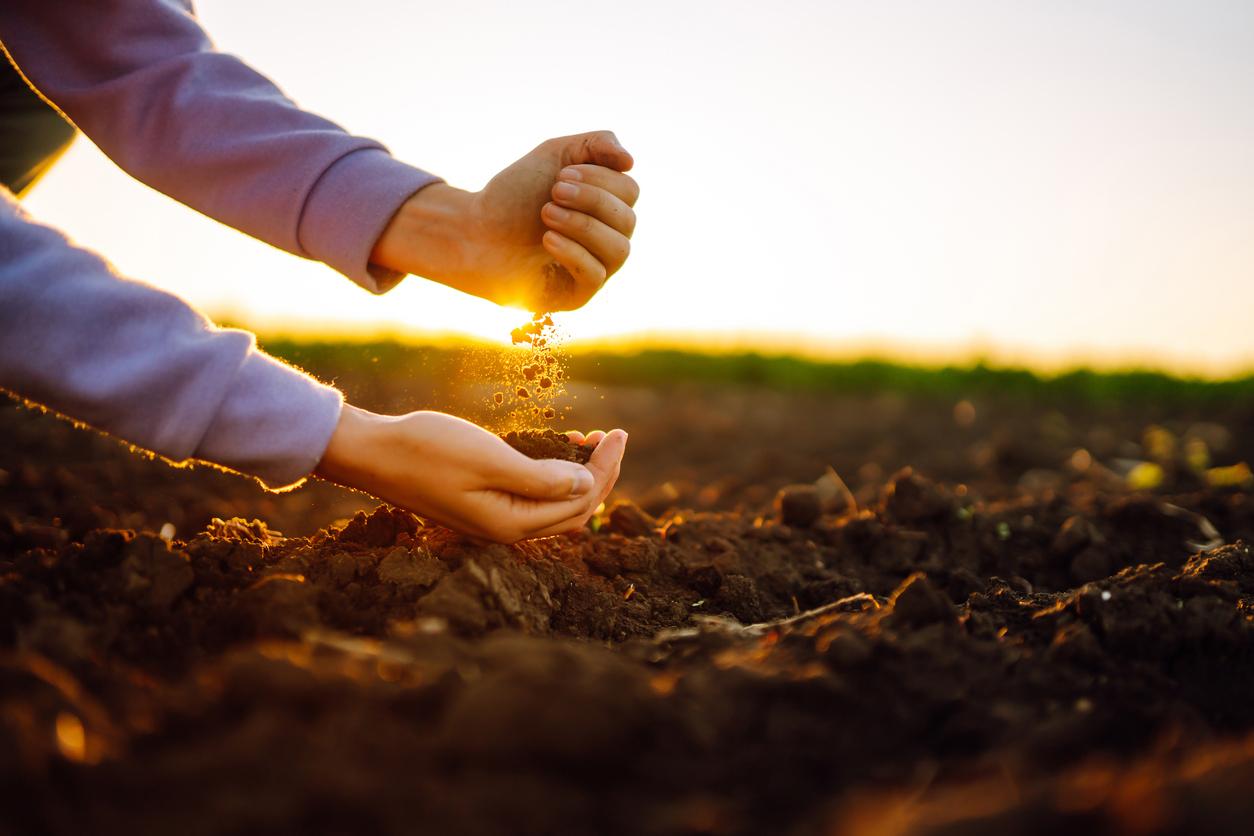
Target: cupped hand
x=462 y=476
x=544 y=234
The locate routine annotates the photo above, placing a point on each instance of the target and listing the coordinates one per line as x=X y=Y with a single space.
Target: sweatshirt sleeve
x=143 y=81
x=140 y=364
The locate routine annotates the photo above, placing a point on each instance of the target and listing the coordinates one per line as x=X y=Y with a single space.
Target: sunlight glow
x=1023 y=181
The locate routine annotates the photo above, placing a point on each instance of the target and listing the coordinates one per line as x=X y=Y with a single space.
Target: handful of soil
x=548 y=444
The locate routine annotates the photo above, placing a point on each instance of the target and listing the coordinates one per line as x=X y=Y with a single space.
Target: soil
x=1003 y=638
x=547 y=444
x=535 y=373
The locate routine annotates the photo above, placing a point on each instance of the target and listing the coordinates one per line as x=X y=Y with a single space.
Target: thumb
x=600 y=148
x=547 y=479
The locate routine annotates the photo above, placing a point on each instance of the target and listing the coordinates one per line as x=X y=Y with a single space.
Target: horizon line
x=808 y=347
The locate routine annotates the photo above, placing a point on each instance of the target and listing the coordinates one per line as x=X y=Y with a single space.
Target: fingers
x=600 y=147
x=593 y=438
x=583 y=265
x=543 y=519
x=622 y=186
x=608 y=246
x=595 y=202
x=545 y=480
x=601 y=492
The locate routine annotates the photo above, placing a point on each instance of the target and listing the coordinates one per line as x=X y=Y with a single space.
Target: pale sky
x=1049 y=180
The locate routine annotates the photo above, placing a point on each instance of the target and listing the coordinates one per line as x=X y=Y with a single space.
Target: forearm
x=142 y=80
x=432 y=236
x=140 y=364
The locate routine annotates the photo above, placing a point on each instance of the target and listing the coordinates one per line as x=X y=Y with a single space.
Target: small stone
x=798 y=505
x=626 y=518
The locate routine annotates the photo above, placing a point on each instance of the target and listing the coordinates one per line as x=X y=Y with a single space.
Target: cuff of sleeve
x=275 y=423
x=348 y=209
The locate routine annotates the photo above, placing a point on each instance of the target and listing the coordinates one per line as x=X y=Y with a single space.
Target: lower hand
x=544 y=234
x=466 y=478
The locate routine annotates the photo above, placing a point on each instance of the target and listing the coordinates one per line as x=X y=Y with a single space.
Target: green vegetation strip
x=661 y=366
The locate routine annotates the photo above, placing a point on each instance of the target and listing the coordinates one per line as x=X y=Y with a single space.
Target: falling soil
x=1070 y=656
x=534 y=375
x=547 y=444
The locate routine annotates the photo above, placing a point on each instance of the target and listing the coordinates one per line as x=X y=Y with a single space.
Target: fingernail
x=556 y=212
x=582 y=482
x=566 y=191
x=570 y=174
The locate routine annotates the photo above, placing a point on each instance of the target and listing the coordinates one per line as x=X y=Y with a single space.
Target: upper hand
x=466 y=478
x=544 y=234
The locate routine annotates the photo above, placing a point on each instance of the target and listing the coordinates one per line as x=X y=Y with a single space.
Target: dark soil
x=547 y=444
x=1022 y=646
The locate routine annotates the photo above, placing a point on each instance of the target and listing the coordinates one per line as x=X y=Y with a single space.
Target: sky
x=1052 y=182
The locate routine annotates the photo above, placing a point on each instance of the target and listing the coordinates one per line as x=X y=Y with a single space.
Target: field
x=987 y=603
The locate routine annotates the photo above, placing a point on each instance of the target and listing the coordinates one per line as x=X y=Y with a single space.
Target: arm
x=140 y=364
x=141 y=78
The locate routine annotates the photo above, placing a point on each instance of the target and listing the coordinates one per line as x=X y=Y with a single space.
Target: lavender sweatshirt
x=143 y=81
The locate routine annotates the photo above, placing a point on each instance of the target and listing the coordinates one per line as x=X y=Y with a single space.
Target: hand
x=466 y=478
x=544 y=234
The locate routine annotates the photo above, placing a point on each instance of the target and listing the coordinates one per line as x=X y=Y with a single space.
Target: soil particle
x=918 y=603
x=154 y=573
x=627 y=518
x=559 y=288
x=410 y=567
x=911 y=498
x=547 y=444
x=798 y=505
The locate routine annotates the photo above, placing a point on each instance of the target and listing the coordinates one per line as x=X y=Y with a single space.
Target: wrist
x=429 y=236
x=350 y=445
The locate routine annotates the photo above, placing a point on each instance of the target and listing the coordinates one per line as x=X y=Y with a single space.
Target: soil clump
x=548 y=444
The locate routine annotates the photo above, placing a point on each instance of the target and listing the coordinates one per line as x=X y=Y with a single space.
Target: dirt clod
x=913 y=499
x=798 y=505
x=626 y=518
x=547 y=444
x=918 y=603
